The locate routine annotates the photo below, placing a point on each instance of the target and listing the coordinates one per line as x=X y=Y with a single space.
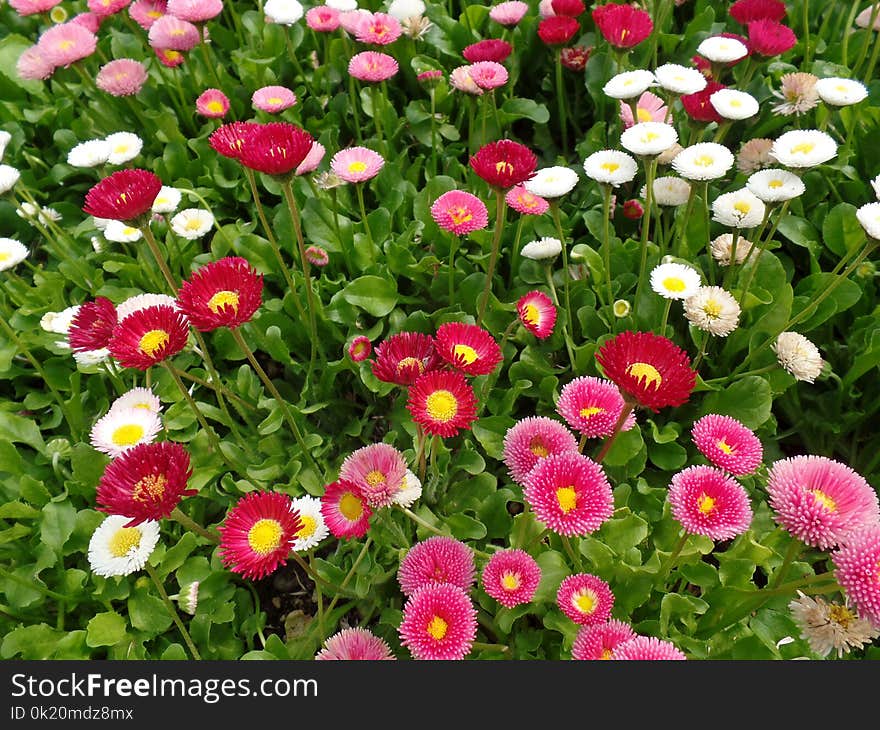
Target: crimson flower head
x=468 y=348
x=126 y=195
x=537 y=313
x=698 y=106
x=490 y=49
x=442 y=402
x=747 y=11
x=276 y=148
x=623 y=26
x=556 y=30
x=571 y=8
x=149 y=336
x=403 y=357
x=223 y=293
x=228 y=139
x=575 y=58
x=92 y=325
x=504 y=163
x=768 y=38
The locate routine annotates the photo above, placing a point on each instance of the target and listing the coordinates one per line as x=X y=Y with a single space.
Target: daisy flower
x=802 y=148
x=223 y=293
x=121 y=429
x=372 y=66
x=212 y=103
x=283 y=12
x=142 y=301
x=868 y=216
x=536 y=313
x=679 y=79
x=745 y=11
x=170 y=33
x=317 y=256
x=345 y=510
x=138 y=398
x=508 y=13
x=488 y=75
x=121 y=77
x=12 y=253
x=855 y=569
x=675 y=281
x=149 y=336
x=797 y=93
x=403 y=357
x=67 y=43
x=768 y=38
x=713 y=310
x=357 y=164
x=354 y=644
x=459 y=212
x=92 y=325
x=611 y=167
x=229 y=139
x=322 y=18
x=126 y=195
x=598 y=641
x=703 y=161
x=829 y=627
x=623 y=26
x=511 y=577
x=670 y=191
x=552 y=182
x=557 y=30
x=649 y=108
x=192 y=223
x=524 y=202
x=468 y=348
x=648 y=139
x=435 y=561
x=146 y=12
x=91 y=153
x=733 y=104
x=276 y=148
x=377 y=470
x=586 y=599
x=800 y=357
x=629 y=84
x=532 y=439
x=439 y=623
x=120 y=232
x=273 y=99
x=378 y=29
x=124 y=147
x=116 y=550
x=410 y=490
x=490 y=49
x=442 y=402
x=312 y=527
x=504 y=163
x=9 y=176
x=720 y=49
x=592 y=406
x=708 y=502
x=542 y=249
x=195 y=11
x=647 y=648
x=727 y=443
x=460 y=79
x=721 y=248
x=360 y=348
x=738 y=209
x=774 y=186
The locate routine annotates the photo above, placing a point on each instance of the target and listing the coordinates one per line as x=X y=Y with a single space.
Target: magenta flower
x=586 y=599
x=591 y=406
x=372 y=66
x=212 y=103
x=647 y=648
x=122 y=77
x=598 y=641
x=273 y=99
x=856 y=562
x=360 y=348
x=322 y=18
x=459 y=212
x=357 y=644
x=437 y=560
x=439 y=622
x=357 y=164
x=727 y=443
x=511 y=577
x=706 y=501
x=378 y=470
x=537 y=313
x=532 y=439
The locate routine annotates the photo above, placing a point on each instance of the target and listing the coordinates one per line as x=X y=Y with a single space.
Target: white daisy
x=720 y=49
x=680 y=79
x=409 y=491
x=283 y=12
x=192 y=223
x=733 y=104
x=89 y=154
x=119 y=550
x=342 y=5
x=59 y=322
x=121 y=232
x=611 y=167
x=28 y=211
x=89 y=358
x=774 y=186
x=313 y=528
x=5 y=138
x=544 y=248
x=629 y=84
x=403 y=9
x=12 y=253
x=138 y=398
x=841 y=92
x=713 y=310
x=798 y=356
x=649 y=138
x=188 y=598
x=803 y=148
x=703 y=161
x=875 y=183
x=552 y=182
x=100 y=223
x=869 y=216
x=675 y=281
x=167 y=200
x=721 y=248
x=8 y=177
x=142 y=301
x=738 y=209
x=669 y=190
x=48 y=214
x=124 y=146
x=123 y=428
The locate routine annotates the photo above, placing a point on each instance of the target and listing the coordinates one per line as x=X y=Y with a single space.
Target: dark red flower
x=703 y=65
x=148 y=336
x=92 y=325
x=698 y=106
x=575 y=58
x=223 y=293
x=491 y=49
x=468 y=348
x=442 y=402
x=504 y=163
x=403 y=357
x=746 y=11
x=769 y=38
x=228 y=139
x=276 y=148
x=123 y=196
x=557 y=29
x=146 y=482
x=633 y=210
x=623 y=26
x=571 y=8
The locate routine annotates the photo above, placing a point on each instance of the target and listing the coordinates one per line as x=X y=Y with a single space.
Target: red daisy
x=468 y=348
x=575 y=58
x=537 y=313
x=92 y=326
x=360 y=348
x=126 y=195
x=572 y=8
x=404 y=357
x=557 y=30
x=345 y=510
x=146 y=482
x=491 y=49
x=623 y=26
x=442 y=402
x=698 y=106
x=228 y=139
x=276 y=148
x=746 y=11
x=223 y=293
x=256 y=536
x=504 y=163
x=650 y=369
x=148 y=336
x=586 y=599
x=768 y=38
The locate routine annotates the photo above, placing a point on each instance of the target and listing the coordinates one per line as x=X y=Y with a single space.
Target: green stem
x=357 y=561
x=650 y=170
x=609 y=441
x=662 y=330
x=869 y=36
x=682 y=221
x=793 y=551
x=500 y=210
x=566 y=273
x=514 y=252
x=548 y=272
x=189 y=523
x=207 y=207
x=669 y=563
x=762 y=246
x=360 y=196
x=729 y=274
x=304 y=262
x=453 y=246
x=377 y=119
x=172 y=611
x=160 y=259
x=560 y=98
x=352 y=92
x=433 y=133
x=569 y=549
x=606 y=242
x=219 y=386
x=806 y=23
x=702 y=352
x=875 y=52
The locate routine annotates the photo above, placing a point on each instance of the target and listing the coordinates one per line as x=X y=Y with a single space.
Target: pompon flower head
x=670 y=191
x=322 y=19
x=257 y=533
x=345 y=510
x=490 y=49
x=524 y=202
x=713 y=310
x=116 y=550
x=33 y=65
x=610 y=167
x=542 y=249
x=312 y=527
x=195 y=11
x=360 y=348
x=768 y=38
x=650 y=369
x=372 y=66
x=802 y=148
x=598 y=641
x=192 y=223
x=868 y=216
x=855 y=569
x=122 y=77
x=317 y=256
x=727 y=443
x=121 y=232
x=90 y=153
x=223 y=293
x=819 y=500
x=149 y=336
x=32 y=7
x=170 y=33
x=532 y=439
x=283 y=12
x=537 y=313
x=143 y=399
x=377 y=470
x=229 y=139
x=552 y=182
x=775 y=186
x=459 y=212
x=647 y=648
x=557 y=30
x=212 y=103
x=120 y=430
x=378 y=29
x=403 y=357
x=800 y=357
x=679 y=79
x=504 y=163
x=404 y=9
x=410 y=490
x=437 y=560
x=511 y=577
x=357 y=164
x=167 y=200
x=797 y=92
x=488 y=75
x=738 y=209
x=147 y=12
x=703 y=161
x=569 y=493
x=830 y=627
x=12 y=253
x=273 y=99
x=837 y=91
x=699 y=105
x=649 y=108
x=460 y=79
x=106 y=8
x=721 y=248
x=442 y=402
x=623 y=26
x=276 y=148
x=745 y=11
x=92 y=326
x=734 y=104
x=708 y=502
x=468 y=348
x=145 y=483
x=721 y=49
x=649 y=139
x=629 y=84
x=355 y=644
x=508 y=13
x=9 y=176
x=439 y=623
x=67 y=43
x=586 y=599
x=571 y=8
x=126 y=195
x=142 y=301
x=868 y=16
x=350 y=17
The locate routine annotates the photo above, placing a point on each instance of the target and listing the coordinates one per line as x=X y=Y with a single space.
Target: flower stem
x=172 y=611
x=500 y=210
x=793 y=551
x=566 y=274
x=669 y=563
x=377 y=119
x=606 y=242
x=360 y=196
x=453 y=246
x=189 y=523
x=618 y=427
x=357 y=561
x=160 y=260
x=560 y=98
x=762 y=246
x=514 y=252
x=433 y=133
x=650 y=170
x=662 y=330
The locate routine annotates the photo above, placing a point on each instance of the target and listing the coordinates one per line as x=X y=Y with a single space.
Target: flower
x=585 y=598
x=855 y=569
x=256 y=535
x=438 y=560
x=774 y=185
x=410 y=490
x=592 y=406
x=629 y=84
x=33 y=65
x=92 y=325
x=170 y=33
x=803 y=148
x=142 y=301
x=651 y=370
x=745 y=11
x=768 y=38
x=468 y=348
x=598 y=641
x=229 y=139
x=713 y=310
x=439 y=623
x=67 y=43
x=122 y=77
x=508 y=13
x=569 y=493
x=647 y=648
x=721 y=49
x=552 y=182
x=610 y=167
x=116 y=550
x=283 y=12
x=800 y=357
x=623 y=26
x=572 y=8
x=377 y=470
x=188 y=598
x=276 y=148
x=195 y=11
x=167 y=200
x=706 y=501
x=149 y=336
x=312 y=527
x=317 y=256
x=223 y=293
x=459 y=212
x=146 y=482
x=633 y=210
x=557 y=30
x=139 y=399
x=863 y=19
x=9 y=176
x=378 y=29
x=868 y=216
x=105 y=8
x=524 y=202
x=121 y=232
x=830 y=627
x=357 y=164
x=798 y=93
x=124 y=147
x=460 y=79
x=721 y=248
x=648 y=139
x=546 y=247
x=360 y=348
x=192 y=223
x=675 y=281
x=32 y=7
x=841 y=92
x=670 y=190
x=322 y=19
x=649 y=108
x=372 y=66
x=679 y=79
x=350 y=17
x=430 y=77
x=703 y=161
x=403 y=9
x=354 y=644
x=699 y=106
x=532 y=439
x=727 y=443
x=537 y=313
x=273 y=99
x=819 y=500
x=146 y=12
x=504 y=163
x=488 y=75
x=12 y=253
x=126 y=195
x=733 y=104
x=403 y=357
x=490 y=49
x=311 y=160
x=511 y=577
x=345 y=510
x=122 y=429
x=575 y=58
x=738 y=209
x=442 y=402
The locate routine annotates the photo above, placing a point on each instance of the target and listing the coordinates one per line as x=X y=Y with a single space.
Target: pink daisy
x=212 y=103
x=647 y=648
x=33 y=66
x=147 y=12
x=706 y=501
x=316 y=255
x=403 y=357
x=586 y=599
x=379 y=29
x=357 y=164
x=439 y=623
x=173 y=34
x=488 y=74
x=312 y=159
x=62 y=45
x=532 y=439
x=856 y=562
x=354 y=644
x=460 y=80
x=819 y=500
x=569 y=493
x=32 y=7
x=437 y=560
x=511 y=577
x=378 y=470
x=459 y=212
x=468 y=348
x=650 y=108
x=273 y=99
x=727 y=443
x=89 y=21
x=360 y=348
x=106 y=8
x=598 y=641
x=322 y=19
x=372 y=66
x=591 y=406
x=345 y=510
x=122 y=77
x=349 y=20
x=195 y=11
x=537 y=313
x=524 y=202
x=508 y=13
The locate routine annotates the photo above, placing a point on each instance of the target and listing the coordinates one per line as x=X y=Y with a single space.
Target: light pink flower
x=170 y=33
x=379 y=29
x=349 y=20
x=312 y=160
x=378 y=469
x=524 y=202
x=727 y=443
x=147 y=12
x=459 y=212
x=33 y=66
x=322 y=19
x=89 y=21
x=357 y=164
x=508 y=13
x=105 y=8
x=372 y=66
x=122 y=77
x=212 y=103
x=273 y=99
x=488 y=74
x=67 y=43
x=32 y=7
x=650 y=108
x=461 y=80
x=532 y=439
x=195 y=11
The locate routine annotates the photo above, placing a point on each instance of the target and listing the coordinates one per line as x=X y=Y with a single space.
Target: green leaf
x=59 y=519
x=21 y=430
x=148 y=613
x=841 y=230
x=623 y=533
x=17 y=511
x=525 y=109
x=37 y=641
x=490 y=433
x=553 y=569
x=748 y=400
x=105 y=629
x=465 y=528
x=373 y=294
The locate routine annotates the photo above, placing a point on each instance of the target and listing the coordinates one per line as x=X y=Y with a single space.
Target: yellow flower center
x=129 y=231
x=841 y=88
x=585 y=601
x=712 y=309
x=274 y=100
x=172 y=55
x=441 y=406
x=223 y=299
x=567 y=499
x=539 y=448
x=609 y=166
x=351 y=507
x=674 y=283
x=531 y=314
x=215 y=107
x=725 y=447
x=777 y=183
x=643 y=115
x=466 y=353
x=503 y=167
x=153 y=341
x=705 y=504
x=127 y=435
x=510 y=581
x=121 y=148
x=408 y=362
x=824 y=500
x=150 y=489
x=803 y=147
x=606 y=654
x=264 y=536
x=742 y=206
x=588 y=411
x=704 y=161
x=841 y=615
x=650 y=137
x=154 y=14
x=460 y=215
x=437 y=628
x=143 y=405
x=357 y=166
x=309 y=524
x=643 y=371
x=64 y=45
x=735 y=103
x=5 y=255
x=123 y=540
x=375 y=478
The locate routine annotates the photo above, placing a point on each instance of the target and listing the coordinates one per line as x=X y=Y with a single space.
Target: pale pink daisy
x=650 y=108
x=122 y=77
x=378 y=469
x=459 y=212
x=349 y=20
x=378 y=29
x=532 y=439
x=212 y=103
x=106 y=8
x=357 y=164
x=526 y=203
x=355 y=644
x=460 y=79
x=322 y=19
x=312 y=159
x=488 y=75
x=273 y=99
x=591 y=406
x=857 y=571
x=727 y=443
x=586 y=599
x=598 y=641
x=439 y=559
x=173 y=34
x=33 y=66
x=511 y=577
x=706 y=501
x=647 y=648
x=439 y=623
x=89 y=21
x=317 y=256
x=508 y=13
x=195 y=11
x=147 y=12
x=67 y=43
x=32 y=7
x=372 y=66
